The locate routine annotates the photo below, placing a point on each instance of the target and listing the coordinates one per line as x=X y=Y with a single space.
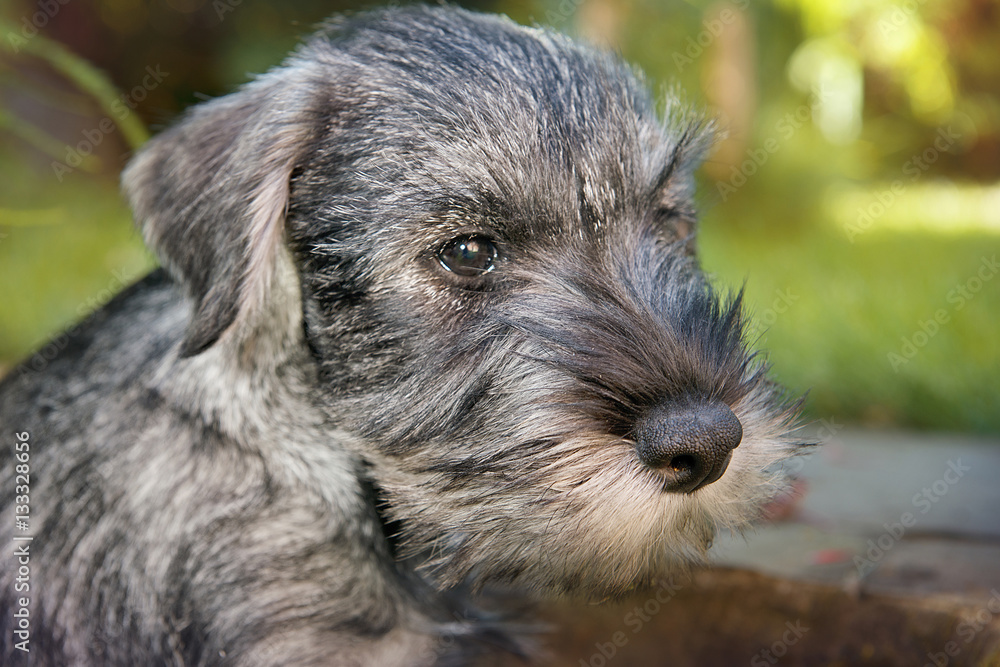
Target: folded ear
x=210 y=195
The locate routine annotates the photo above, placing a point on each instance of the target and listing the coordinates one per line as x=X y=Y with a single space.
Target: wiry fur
x=284 y=448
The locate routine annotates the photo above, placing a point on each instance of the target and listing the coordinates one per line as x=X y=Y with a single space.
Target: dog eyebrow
x=679 y=152
x=481 y=205
x=666 y=173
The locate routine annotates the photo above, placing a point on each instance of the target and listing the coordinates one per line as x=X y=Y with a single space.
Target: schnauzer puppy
x=429 y=319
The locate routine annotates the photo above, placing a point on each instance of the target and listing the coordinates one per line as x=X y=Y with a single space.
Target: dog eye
x=468 y=256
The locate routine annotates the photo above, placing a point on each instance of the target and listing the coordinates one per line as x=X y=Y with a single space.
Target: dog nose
x=688 y=442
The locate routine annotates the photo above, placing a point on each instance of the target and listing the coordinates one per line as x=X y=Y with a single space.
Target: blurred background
x=857 y=191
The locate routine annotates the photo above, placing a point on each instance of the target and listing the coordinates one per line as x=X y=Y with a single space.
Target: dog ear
x=210 y=195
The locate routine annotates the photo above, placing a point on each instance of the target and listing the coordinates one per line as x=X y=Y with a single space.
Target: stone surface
x=889 y=554
x=889 y=512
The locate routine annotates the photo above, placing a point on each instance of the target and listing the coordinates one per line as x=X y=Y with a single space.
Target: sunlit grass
x=61 y=262
x=848 y=307
x=900 y=206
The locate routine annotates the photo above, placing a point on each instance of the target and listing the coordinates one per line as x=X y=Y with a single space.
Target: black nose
x=689 y=442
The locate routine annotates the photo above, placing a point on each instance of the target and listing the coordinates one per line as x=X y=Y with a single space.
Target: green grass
x=61 y=262
x=854 y=304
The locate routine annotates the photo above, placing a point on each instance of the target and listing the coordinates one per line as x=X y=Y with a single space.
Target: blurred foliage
x=854 y=188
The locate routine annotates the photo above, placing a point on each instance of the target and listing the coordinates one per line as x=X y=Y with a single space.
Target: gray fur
x=305 y=438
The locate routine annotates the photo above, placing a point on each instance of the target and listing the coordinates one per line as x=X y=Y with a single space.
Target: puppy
x=429 y=320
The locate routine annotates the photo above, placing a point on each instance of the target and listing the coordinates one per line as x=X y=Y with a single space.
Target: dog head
x=491 y=236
